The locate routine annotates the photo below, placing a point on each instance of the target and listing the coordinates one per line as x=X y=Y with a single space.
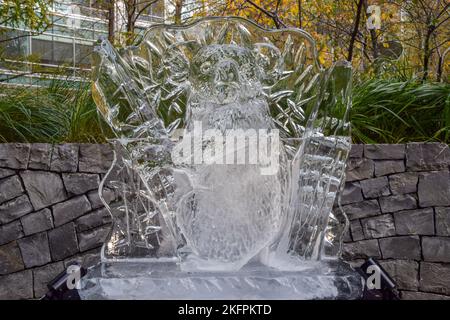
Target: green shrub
x=386 y=111
x=61 y=112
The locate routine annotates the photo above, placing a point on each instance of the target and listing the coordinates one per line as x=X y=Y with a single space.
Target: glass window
x=42 y=49
x=53 y=52
x=13 y=44
x=100 y=4
x=83 y=55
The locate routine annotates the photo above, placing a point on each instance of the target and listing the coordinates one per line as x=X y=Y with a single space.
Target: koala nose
x=227 y=71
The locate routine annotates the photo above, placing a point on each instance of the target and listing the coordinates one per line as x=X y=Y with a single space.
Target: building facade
x=64 y=49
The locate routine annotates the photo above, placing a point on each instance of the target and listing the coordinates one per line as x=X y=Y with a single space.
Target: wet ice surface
x=218 y=75
x=166 y=281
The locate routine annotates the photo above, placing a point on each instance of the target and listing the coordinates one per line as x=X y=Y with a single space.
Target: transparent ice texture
x=164 y=281
x=225 y=73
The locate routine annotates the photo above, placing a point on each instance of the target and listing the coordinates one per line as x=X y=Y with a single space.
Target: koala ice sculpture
x=196 y=110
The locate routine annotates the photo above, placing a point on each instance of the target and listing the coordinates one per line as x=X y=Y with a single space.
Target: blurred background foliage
x=401 y=88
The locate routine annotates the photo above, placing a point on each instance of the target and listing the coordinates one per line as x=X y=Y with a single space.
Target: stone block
x=94 y=219
x=374 y=188
x=44 y=188
x=10 y=259
x=63 y=241
x=95 y=158
x=10 y=188
x=356 y=151
x=346 y=237
x=357 y=230
x=79 y=183
x=11 y=231
x=402 y=183
x=361 y=250
x=94 y=197
x=385 y=167
x=40 y=156
x=351 y=193
x=419 y=222
x=65 y=157
x=37 y=221
x=363 y=209
x=442 y=221
x=412 y=295
x=43 y=275
x=93 y=237
x=359 y=169
x=404 y=247
x=384 y=151
x=397 y=203
x=35 y=250
x=71 y=209
x=378 y=227
x=17 y=286
x=14 y=155
x=436 y=249
x=404 y=272
x=435 y=277
x=15 y=209
x=434 y=189
x=427 y=156
x=6 y=173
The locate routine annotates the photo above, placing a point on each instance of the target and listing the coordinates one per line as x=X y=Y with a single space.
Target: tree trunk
x=427 y=52
x=111 y=20
x=300 y=22
x=355 y=31
x=131 y=20
x=178 y=8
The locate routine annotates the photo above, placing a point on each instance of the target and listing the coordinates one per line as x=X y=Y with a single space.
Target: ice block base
x=165 y=281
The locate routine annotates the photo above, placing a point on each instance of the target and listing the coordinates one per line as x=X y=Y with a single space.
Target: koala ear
x=176 y=59
x=270 y=61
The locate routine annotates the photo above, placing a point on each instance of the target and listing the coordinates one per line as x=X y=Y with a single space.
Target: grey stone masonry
x=397 y=198
x=427 y=156
x=359 y=168
x=50 y=212
x=404 y=272
x=35 y=250
x=402 y=183
x=435 y=278
x=11 y=188
x=434 y=189
x=419 y=222
x=71 y=209
x=65 y=158
x=44 y=188
x=378 y=227
x=384 y=151
x=377 y=187
x=403 y=216
x=385 y=167
x=40 y=156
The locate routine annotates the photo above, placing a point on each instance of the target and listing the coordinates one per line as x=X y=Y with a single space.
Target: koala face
x=224 y=73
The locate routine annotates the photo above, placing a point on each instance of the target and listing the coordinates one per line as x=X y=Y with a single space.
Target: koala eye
x=204 y=68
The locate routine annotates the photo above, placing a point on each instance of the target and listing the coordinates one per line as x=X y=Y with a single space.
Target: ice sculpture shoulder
x=230 y=143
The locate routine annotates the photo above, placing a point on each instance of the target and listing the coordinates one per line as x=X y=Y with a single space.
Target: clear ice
x=196 y=210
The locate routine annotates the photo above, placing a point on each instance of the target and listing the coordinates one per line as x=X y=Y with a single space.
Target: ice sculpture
x=230 y=148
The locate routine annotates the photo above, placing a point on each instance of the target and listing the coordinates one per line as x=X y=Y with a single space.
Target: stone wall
x=50 y=213
x=397 y=198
